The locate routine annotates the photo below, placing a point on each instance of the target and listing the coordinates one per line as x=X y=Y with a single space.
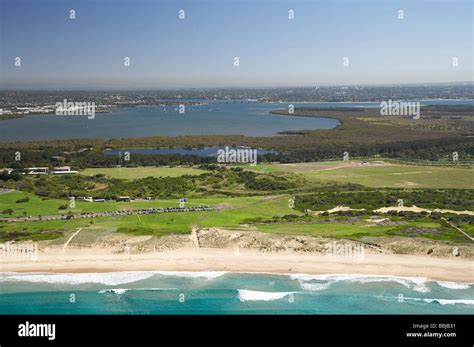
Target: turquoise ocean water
x=229 y=293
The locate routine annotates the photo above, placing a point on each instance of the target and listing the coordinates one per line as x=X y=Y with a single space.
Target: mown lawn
x=49 y=207
x=389 y=176
x=401 y=177
x=142 y=172
x=230 y=212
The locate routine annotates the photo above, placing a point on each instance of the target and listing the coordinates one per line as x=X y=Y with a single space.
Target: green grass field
x=48 y=207
x=468 y=228
x=402 y=177
x=130 y=173
x=231 y=213
x=238 y=212
x=378 y=175
x=179 y=223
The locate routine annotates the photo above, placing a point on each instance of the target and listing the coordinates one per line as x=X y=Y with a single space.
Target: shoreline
x=100 y=260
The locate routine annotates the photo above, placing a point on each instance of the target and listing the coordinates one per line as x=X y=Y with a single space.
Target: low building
x=58 y=158
x=7 y=170
x=62 y=170
x=123 y=198
x=37 y=171
x=83 y=198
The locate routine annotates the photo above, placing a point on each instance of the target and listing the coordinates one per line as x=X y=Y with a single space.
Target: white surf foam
x=123 y=290
x=108 y=278
x=454 y=285
x=209 y=275
x=450 y=302
x=415 y=283
x=444 y=301
x=117 y=291
x=252 y=295
x=314 y=286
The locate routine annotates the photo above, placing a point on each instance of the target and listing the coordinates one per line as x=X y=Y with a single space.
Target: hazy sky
x=199 y=51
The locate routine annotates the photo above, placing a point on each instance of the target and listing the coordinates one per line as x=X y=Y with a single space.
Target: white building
x=37 y=171
x=63 y=170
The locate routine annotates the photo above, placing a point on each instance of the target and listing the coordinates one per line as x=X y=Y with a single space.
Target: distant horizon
x=414 y=84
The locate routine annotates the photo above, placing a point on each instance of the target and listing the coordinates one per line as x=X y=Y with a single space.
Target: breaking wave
x=108 y=278
x=119 y=291
x=444 y=301
x=252 y=295
x=415 y=283
x=453 y=285
x=209 y=275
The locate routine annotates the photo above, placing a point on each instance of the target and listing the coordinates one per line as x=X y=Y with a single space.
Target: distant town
x=20 y=103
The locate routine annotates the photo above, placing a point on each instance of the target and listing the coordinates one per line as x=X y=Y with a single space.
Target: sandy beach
x=99 y=259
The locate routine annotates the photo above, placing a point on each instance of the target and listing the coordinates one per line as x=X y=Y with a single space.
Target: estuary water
x=211 y=118
x=229 y=293
x=214 y=118
x=200 y=152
